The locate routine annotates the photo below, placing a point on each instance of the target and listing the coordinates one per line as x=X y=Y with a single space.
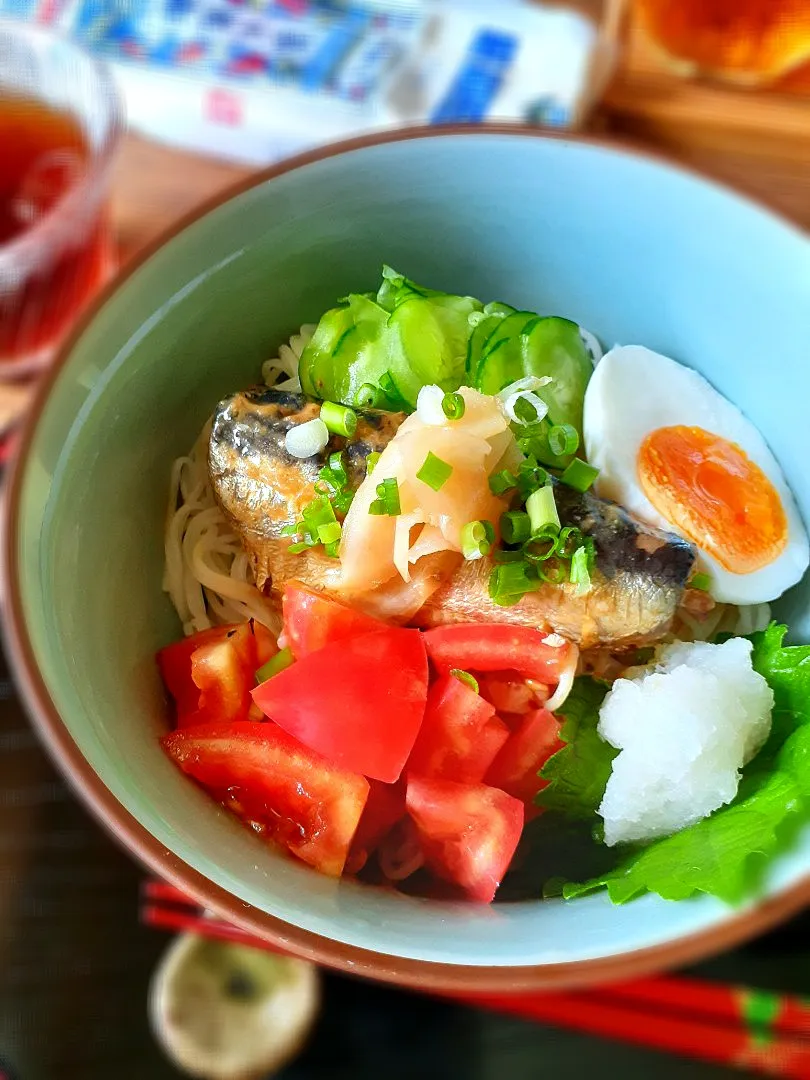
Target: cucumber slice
x=431 y=344
x=505 y=331
x=315 y=368
x=540 y=346
x=481 y=332
x=555 y=347
x=396 y=290
x=497 y=308
x=362 y=355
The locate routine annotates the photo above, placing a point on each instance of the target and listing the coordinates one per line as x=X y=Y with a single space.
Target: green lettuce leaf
x=724 y=855
x=578 y=773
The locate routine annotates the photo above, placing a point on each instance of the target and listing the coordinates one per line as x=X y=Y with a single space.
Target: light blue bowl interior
x=629 y=248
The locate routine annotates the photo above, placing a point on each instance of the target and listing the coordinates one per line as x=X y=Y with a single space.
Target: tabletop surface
x=74 y=963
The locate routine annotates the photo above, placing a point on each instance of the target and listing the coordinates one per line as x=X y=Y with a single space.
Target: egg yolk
x=715 y=495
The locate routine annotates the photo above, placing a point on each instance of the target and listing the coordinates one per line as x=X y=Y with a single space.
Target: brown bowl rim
x=426 y=975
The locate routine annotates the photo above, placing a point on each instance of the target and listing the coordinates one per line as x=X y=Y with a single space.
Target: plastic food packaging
x=257 y=80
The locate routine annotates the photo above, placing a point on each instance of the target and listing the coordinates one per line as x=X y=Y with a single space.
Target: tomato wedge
x=508 y=692
x=515 y=768
x=210 y=674
x=384 y=809
x=218 y=668
x=174 y=662
x=312 y=620
x=460 y=735
x=469 y=832
x=305 y=803
x=359 y=702
x=496 y=647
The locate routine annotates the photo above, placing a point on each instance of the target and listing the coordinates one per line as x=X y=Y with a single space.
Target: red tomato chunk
x=359 y=702
x=384 y=809
x=307 y=804
x=508 y=692
x=495 y=647
x=469 y=833
x=460 y=734
x=515 y=768
x=312 y=620
x=210 y=674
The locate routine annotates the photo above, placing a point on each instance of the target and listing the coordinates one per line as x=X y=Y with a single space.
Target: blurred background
x=117 y=118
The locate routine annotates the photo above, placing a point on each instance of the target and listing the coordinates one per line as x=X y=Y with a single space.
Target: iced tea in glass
x=60 y=122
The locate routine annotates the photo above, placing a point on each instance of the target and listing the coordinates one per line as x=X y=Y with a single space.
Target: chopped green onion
x=542 y=546
x=435 y=472
x=333 y=477
x=700 y=581
x=466 y=678
x=531 y=476
x=387 y=502
x=580 y=573
x=516 y=527
x=277 y=663
x=554 y=572
x=542 y=509
x=579 y=475
x=476 y=539
x=563 y=439
x=568 y=541
x=290 y=530
x=371 y=461
x=367 y=396
x=533 y=441
x=524 y=410
x=501 y=482
x=509 y=582
x=340 y=419
x=503 y=555
x=453 y=406
x=343 y=501
x=333 y=549
x=328 y=534
x=319 y=512
x=337 y=465
x=307 y=440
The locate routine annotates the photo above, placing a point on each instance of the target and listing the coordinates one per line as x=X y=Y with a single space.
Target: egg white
x=635 y=391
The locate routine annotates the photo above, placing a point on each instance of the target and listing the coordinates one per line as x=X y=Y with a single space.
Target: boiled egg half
x=679 y=455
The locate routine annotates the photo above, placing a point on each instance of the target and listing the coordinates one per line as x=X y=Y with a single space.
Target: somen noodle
x=207 y=572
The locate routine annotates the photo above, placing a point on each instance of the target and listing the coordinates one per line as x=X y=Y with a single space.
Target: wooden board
x=756 y=140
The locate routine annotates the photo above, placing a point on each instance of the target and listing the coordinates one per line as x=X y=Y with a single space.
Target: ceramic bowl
x=630 y=247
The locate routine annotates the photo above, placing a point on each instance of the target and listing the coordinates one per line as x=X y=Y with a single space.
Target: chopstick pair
x=748 y=1029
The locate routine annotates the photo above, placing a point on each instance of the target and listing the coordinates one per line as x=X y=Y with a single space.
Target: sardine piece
x=637 y=585
x=261 y=488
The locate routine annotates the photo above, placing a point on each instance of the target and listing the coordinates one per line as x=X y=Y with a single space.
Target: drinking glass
x=56 y=248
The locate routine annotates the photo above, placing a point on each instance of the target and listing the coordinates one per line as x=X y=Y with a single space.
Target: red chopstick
x=605 y=1013
x=733 y=1025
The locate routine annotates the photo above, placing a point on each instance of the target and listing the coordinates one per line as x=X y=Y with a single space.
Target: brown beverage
x=749 y=41
x=44 y=155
